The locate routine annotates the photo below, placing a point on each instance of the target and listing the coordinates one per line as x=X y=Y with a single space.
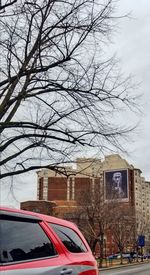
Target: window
x=21 y=241
x=69 y=238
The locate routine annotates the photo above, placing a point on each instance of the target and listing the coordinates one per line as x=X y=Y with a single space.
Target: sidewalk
x=116 y=264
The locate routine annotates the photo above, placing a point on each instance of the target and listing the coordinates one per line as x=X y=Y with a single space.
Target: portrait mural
x=116 y=185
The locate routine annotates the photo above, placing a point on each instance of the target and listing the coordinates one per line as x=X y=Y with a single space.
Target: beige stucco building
x=142 y=205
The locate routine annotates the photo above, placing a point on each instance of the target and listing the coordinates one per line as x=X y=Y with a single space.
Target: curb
x=122 y=266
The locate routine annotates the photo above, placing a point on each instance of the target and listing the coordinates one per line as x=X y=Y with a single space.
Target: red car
x=36 y=244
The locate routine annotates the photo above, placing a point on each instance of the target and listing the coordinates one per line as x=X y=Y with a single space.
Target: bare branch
x=58 y=91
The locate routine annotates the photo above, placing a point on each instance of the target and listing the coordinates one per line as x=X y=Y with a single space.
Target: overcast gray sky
x=132 y=46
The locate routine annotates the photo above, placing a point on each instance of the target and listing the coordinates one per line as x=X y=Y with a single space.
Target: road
x=142 y=269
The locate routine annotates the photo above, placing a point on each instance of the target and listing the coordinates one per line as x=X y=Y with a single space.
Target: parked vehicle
x=126 y=255
x=146 y=256
x=135 y=256
x=36 y=244
x=114 y=256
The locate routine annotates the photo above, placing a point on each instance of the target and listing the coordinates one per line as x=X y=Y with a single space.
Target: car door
x=77 y=250
x=25 y=248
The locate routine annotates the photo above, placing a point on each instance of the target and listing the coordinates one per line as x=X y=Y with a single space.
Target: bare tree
x=100 y=220
x=58 y=91
x=6 y=3
x=122 y=226
x=94 y=216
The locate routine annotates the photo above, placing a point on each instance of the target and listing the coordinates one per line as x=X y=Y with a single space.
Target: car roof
x=39 y=216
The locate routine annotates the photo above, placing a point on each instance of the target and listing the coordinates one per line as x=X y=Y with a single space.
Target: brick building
x=57 y=193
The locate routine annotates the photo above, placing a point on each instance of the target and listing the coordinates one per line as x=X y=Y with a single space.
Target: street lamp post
x=101 y=242
x=105 y=254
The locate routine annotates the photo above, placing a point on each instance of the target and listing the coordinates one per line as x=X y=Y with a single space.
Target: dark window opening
x=70 y=238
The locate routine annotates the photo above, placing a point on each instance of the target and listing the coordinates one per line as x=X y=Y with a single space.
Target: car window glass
x=21 y=241
x=70 y=238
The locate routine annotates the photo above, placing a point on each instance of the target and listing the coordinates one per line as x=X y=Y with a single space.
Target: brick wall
x=43 y=207
x=57 y=188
